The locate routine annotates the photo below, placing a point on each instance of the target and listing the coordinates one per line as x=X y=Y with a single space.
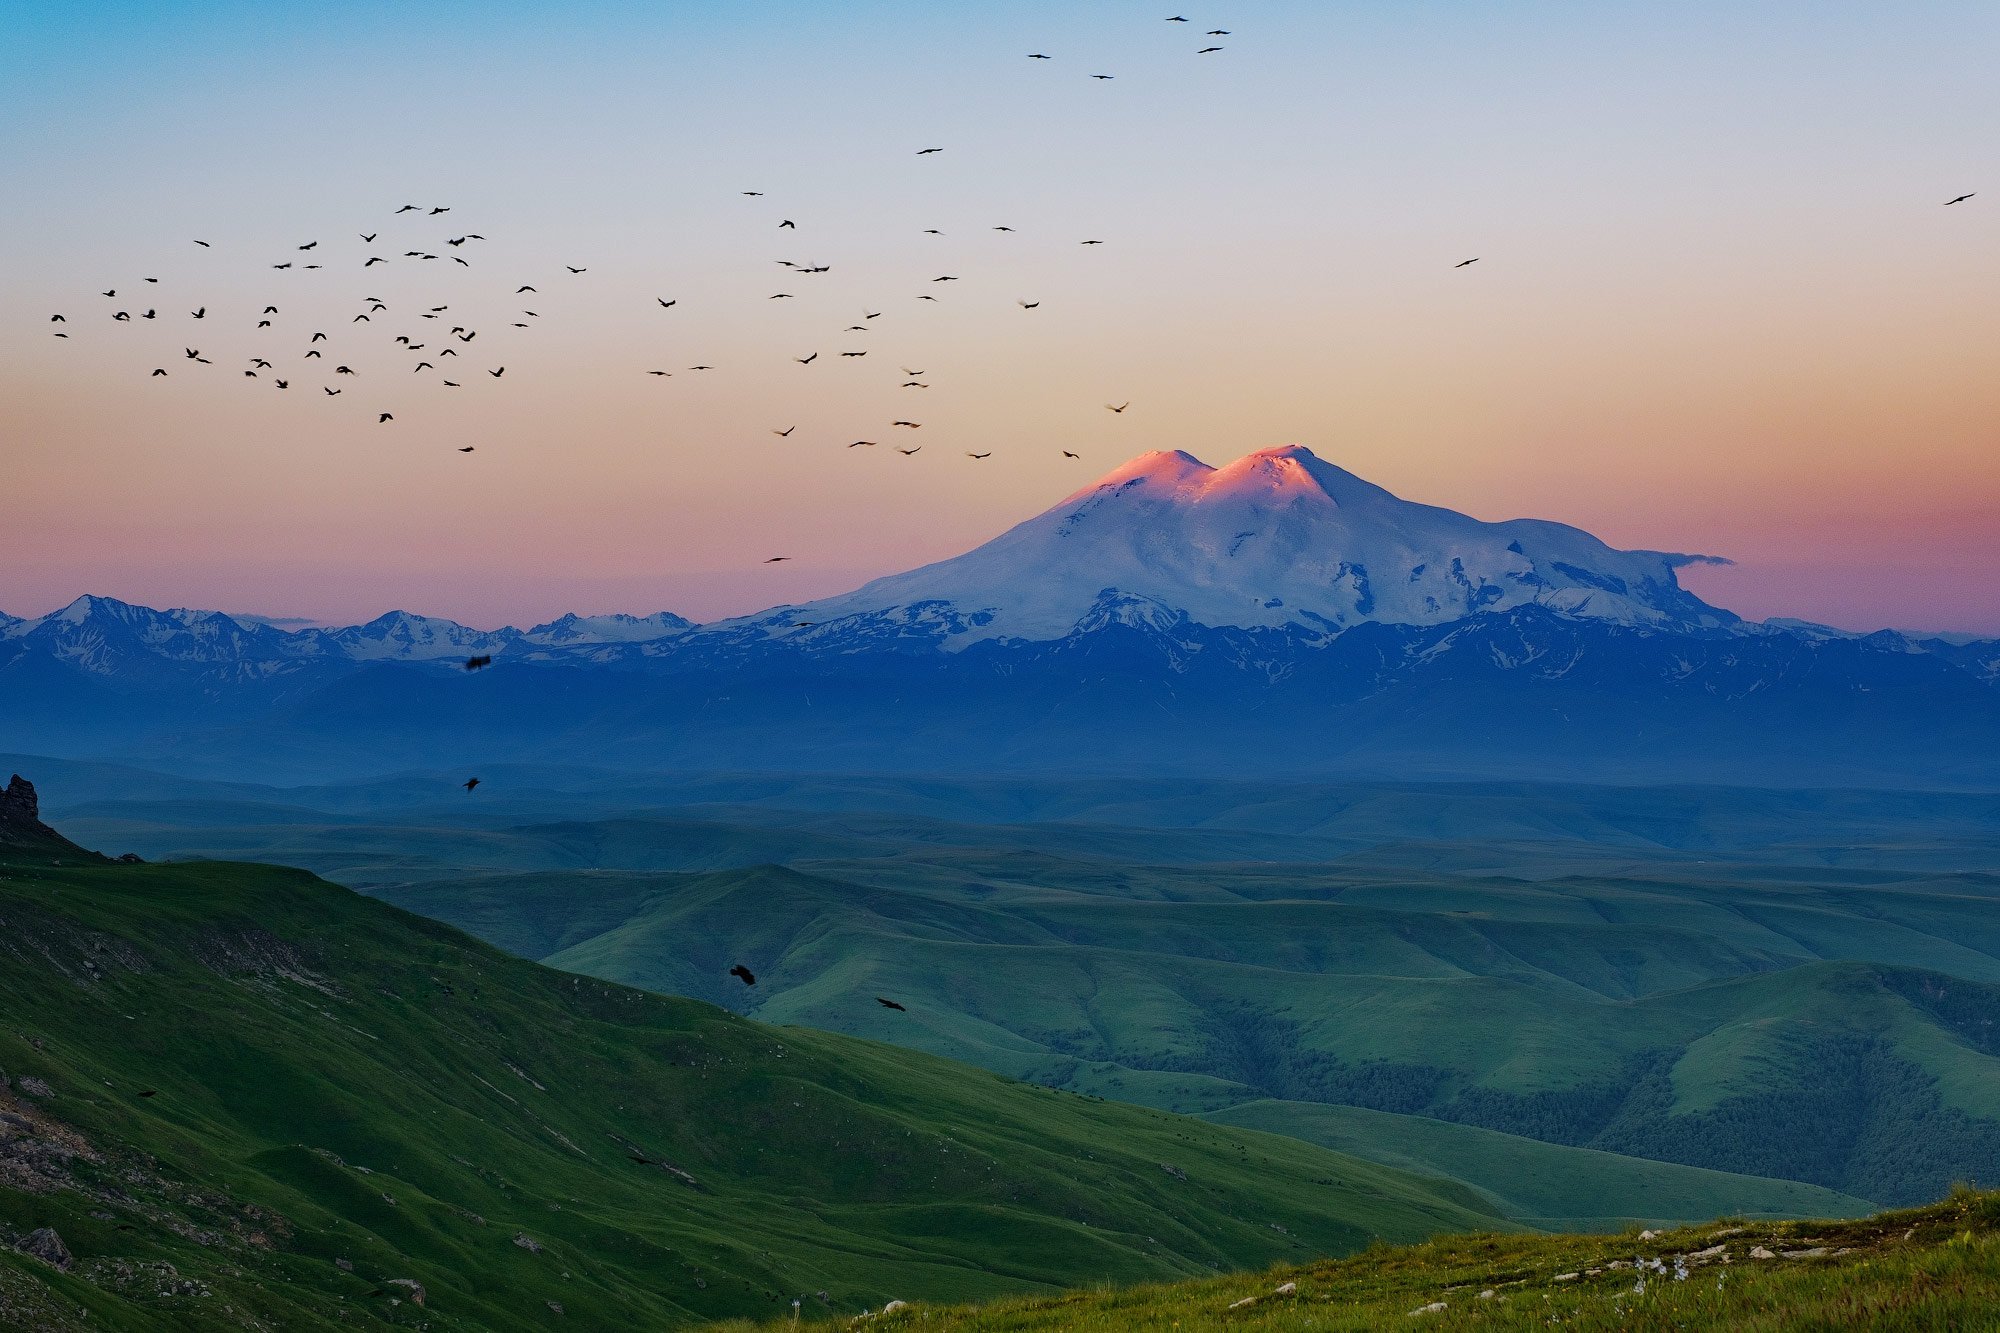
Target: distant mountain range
x=1276 y=615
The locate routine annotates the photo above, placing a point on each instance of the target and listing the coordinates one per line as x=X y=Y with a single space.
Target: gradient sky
x=1718 y=305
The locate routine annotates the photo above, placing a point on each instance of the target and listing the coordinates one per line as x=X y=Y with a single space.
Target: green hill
x=1836 y=1031
x=241 y=1096
x=1933 y=1269
x=1547 y=1185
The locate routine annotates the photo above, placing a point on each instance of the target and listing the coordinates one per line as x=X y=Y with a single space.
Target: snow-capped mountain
x=1277 y=538
x=574 y=628
x=106 y=636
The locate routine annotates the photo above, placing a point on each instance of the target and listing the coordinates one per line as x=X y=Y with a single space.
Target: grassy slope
x=1934 y=1269
x=335 y=1079
x=1546 y=1185
x=1697 y=1023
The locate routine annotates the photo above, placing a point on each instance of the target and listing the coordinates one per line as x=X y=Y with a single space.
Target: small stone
x=1712 y=1252
x=1815 y=1252
x=527 y=1242
x=1432 y=1308
x=416 y=1288
x=1488 y=1294
x=1567 y=1277
x=1649 y=1235
x=344 y=1265
x=1759 y=1252
x=43 y=1243
x=34 y=1087
x=1247 y=1300
x=894 y=1306
x=555 y=1306
x=1287 y=1289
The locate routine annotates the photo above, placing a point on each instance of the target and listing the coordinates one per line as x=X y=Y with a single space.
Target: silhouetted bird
x=922 y=151
x=202 y=244
x=806 y=360
x=1463 y=262
x=1067 y=454
x=1961 y=199
x=987 y=454
x=667 y=305
x=777 y=559
x=1120 y=408
x=369 y=236
x=890 y=1004
x=483 y=660
x=749 y=978
x=1207 y=49
x=470 y=783
x=782 y=434
x=384 y=417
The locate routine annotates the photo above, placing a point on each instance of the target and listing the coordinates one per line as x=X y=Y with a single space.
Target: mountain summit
x=1278 y=537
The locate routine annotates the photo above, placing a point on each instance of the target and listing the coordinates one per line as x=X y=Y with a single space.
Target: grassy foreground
x=1933 y=1268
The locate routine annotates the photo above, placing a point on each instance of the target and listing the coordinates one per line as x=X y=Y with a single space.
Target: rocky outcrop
x=46 y=1245
x=22 y=829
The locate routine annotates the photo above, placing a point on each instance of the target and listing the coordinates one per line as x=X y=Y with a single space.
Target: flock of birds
x=289 y=353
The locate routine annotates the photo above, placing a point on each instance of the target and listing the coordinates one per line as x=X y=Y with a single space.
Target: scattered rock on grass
x=43 y=1243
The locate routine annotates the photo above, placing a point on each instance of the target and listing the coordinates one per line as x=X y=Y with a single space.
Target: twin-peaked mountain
x=1278 y=538
x=1277 y=614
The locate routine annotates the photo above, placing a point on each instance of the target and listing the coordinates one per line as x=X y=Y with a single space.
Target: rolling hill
x=236 y=1095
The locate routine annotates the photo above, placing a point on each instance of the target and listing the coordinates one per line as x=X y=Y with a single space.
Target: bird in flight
x=199 y=314
x=922 y=151
x=1038 y=56
x=519 y=290
x=1120 y=408
x=890 y=1004
x=1028 y=305
x=1177 y=19
x=309 y=245
x=474 y=663
x=202 y=244
x=470 y=783
x=574 y=269
x=411 y=208
x=496 y=374
x=777 y=559
x=376 y=260
x=1067 y=454
x=987 y=454
x=1103 y=76
x=785 y=433
x=668 y=305
x=854 y=354
x=1463 y=262
x=329 y=392
x=1961 y=199
x=1207 y=49
x=1091 y=242
x=913 y=425
x=465 y=448
x=368 y=236
x=806 y=360
x=384 y=417
x=1216 y=32
x=435 y=211
x=667 y=373
x=744 y=974
x=907 y=452
x=788 y=223
x=158 y=371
